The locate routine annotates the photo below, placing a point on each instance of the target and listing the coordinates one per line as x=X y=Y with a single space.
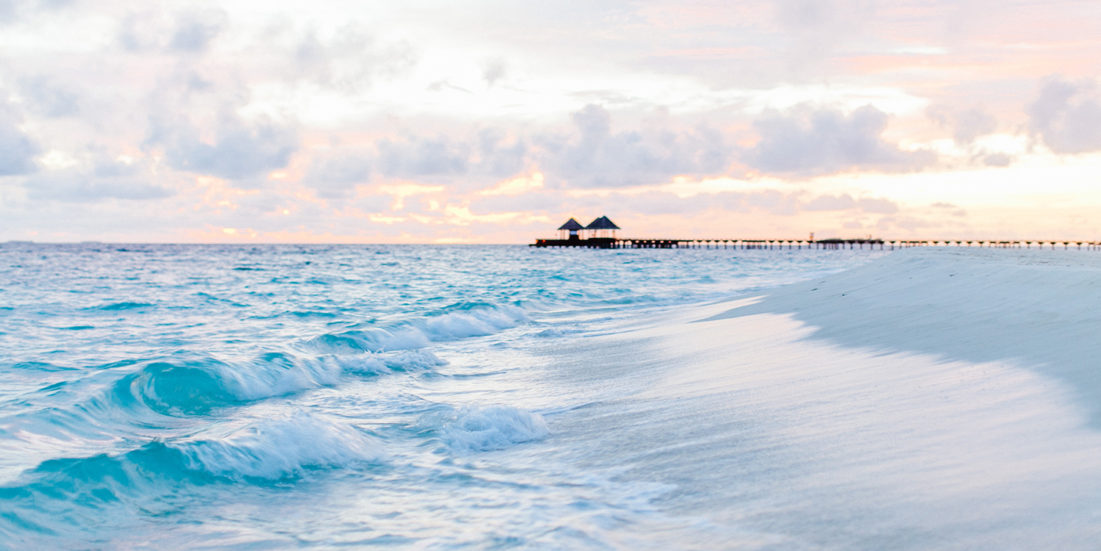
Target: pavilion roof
x=602 y=223
x=571 y=224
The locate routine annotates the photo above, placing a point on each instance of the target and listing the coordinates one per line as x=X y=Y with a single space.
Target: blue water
x=285 y=396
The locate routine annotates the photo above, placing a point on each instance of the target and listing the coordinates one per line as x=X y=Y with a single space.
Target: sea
x=495 y=397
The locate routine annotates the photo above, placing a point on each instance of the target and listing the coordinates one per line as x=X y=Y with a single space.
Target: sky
x=494 y=121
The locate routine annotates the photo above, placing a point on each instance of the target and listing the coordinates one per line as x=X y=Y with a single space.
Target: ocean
x=496 y=397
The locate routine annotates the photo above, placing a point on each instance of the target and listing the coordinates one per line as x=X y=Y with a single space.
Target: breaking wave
x=487 y=428
x=47 y=498
x=456 y=322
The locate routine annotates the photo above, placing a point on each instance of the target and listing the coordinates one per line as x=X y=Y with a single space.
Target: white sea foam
x=496 y=427
x=281 y=447
x=475 y=322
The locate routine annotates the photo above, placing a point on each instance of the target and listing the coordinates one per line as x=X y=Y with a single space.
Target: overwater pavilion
x=599 y=234
x=602 y=227
x=573 y=227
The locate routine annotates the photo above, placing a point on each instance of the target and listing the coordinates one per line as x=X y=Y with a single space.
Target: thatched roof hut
x=571 y=225
x=602 y=224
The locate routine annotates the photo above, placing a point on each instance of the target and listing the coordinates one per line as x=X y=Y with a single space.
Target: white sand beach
x=930 y=399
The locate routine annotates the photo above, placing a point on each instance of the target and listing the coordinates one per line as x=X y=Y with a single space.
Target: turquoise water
x=285 y=396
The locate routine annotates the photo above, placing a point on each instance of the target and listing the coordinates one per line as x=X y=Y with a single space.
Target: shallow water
x=298 y=395
x=497 y=397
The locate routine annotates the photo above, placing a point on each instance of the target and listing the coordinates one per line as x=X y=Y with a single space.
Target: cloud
x=237 y=149
x=184 y=32
x=806 y=141
x=471 y=160
x=7 y=11
x=877 y=206
x=822 y=16
x=1067 y=116
x=949 y=208
x=17 y=150
x=966 y=125
x=997 y=159
x=195 y=30
x=46 y=97
x=134 y=34
x=596 y=156
x=494 y=70
x=847 y=202
x=104 y=179
x=348 y=58
x=12 y=11
x=336 y=177
x=815 y=29
x=498 y=156
x=199 y=126
x=419 y=157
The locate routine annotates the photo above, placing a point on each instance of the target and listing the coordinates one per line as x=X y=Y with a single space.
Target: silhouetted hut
x=572 y=226
x=602 y=224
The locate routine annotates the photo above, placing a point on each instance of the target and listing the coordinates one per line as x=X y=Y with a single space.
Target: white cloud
x=595 y=156
x=17 y=150
x=237 y=149
x=847 y=202
x=810 y=141
x=1067 y=116
x=335 y=176
x=967 y=125
x=199 y=126
x=422 y=157
x=494 y=70
x=195 y=30
x=103 y=178
x=49 y=97
x=347 y=58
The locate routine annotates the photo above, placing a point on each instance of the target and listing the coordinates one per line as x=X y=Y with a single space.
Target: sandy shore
x=1037 y=309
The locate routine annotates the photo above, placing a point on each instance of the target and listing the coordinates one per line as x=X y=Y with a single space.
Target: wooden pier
x=601 y=235
x=744 y=244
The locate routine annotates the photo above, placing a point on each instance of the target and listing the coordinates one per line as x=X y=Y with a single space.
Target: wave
x=370 y=340
x=197 y=385
x=48 y=498
x=471 y=320
x=458 y=321
x=117 y=306
x=273 y=449
x=176 y=392
x=40 y=366
x=487 y=428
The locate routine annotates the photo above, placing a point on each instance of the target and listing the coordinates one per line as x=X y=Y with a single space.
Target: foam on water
x=281 y=447
x=496 y=427
x=68 y=496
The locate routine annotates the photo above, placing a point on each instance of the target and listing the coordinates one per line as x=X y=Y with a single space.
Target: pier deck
x=653 y=243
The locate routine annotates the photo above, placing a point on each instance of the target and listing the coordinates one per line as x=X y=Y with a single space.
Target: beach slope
x=1037 y=309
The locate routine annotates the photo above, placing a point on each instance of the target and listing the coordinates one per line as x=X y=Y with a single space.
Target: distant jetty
x=601 y=234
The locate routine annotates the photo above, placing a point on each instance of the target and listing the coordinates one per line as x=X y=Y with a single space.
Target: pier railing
x=881 y=244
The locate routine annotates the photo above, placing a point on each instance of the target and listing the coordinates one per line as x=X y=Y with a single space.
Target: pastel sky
x=494 y=121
